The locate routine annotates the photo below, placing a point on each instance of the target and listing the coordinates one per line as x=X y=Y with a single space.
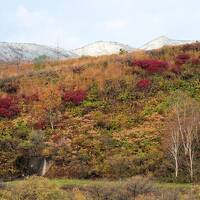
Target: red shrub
x=175 y=68
x=152 y=66
x=75 y=97
x=8 y=107
x=182 y=59
x=195 y=61
x=191 y=47
x=179 y=62
x=56 y=137
x=40 y=125
x=143 y=84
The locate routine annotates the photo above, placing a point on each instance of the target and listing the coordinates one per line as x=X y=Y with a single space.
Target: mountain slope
x=110 y=117
x=101 y=48
x=164 y=41
x=10 y=52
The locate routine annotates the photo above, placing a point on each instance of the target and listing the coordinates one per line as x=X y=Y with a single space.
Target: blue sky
x=73 y=23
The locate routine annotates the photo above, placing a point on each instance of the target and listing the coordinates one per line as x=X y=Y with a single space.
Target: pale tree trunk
x=51 y=123
x=191 y=166
x=51 y=120
x=176 y=166
x=188 y=124
x=191 y=158
x=174 y=149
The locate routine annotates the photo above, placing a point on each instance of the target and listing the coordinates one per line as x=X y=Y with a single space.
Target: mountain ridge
x=102 y=48
x=14 y=51
x=162 y=41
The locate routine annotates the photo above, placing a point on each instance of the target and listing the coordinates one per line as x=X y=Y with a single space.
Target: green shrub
x=124 y=96
x=121 y=190
x=34 y=188
x=93 y=93
x=138 y=185
x=122 y=51
x=39 y=62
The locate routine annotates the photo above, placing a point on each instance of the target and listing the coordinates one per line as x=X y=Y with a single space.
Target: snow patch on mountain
x=10 y=52
x=102 y=48
x=164 y=41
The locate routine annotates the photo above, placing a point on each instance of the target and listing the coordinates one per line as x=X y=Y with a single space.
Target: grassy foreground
x=135 y=188
x=100 y=183
x=88 y=182
x=77 y=182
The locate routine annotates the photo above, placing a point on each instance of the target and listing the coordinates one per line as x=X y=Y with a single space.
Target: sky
x=73 y=23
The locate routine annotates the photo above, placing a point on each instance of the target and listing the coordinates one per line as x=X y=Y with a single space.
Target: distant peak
x=102 y=48
x=163 y=41
x=163 y=37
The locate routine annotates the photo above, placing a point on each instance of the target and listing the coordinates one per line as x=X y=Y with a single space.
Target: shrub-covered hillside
x=104 y=117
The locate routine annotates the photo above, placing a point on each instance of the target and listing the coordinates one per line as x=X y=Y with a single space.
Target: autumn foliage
x=30 y=98
x=152 y=66
x=40 y=125
x=195 y=61
x=182 y=59
x=8 y=107
x=74 y=96
x=143 y=84
x=96 y=117
x=191 y=47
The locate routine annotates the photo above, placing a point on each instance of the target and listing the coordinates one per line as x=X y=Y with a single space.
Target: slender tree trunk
x=176 y=170
x=191 y=165
x=174 y=149
x=52 y=126
x=188 y=121
x=51 y=121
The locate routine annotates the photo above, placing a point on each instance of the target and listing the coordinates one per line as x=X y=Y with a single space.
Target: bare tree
x=188 y=123
x=174 y=148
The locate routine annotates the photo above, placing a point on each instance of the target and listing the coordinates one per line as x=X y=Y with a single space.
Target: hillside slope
x=97 y=117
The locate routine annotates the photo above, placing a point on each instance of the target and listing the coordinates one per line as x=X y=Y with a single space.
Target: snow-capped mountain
x=164 y=41
x=10 y=52
x=102 y=48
